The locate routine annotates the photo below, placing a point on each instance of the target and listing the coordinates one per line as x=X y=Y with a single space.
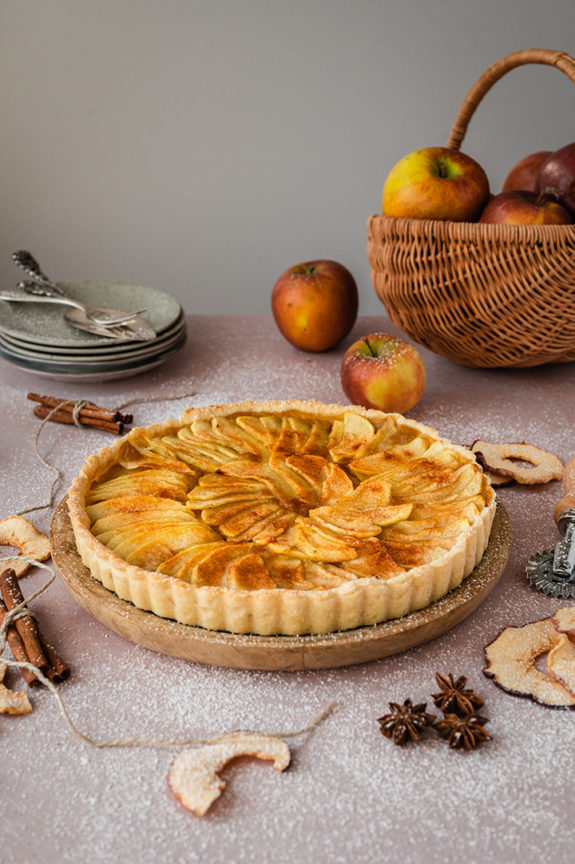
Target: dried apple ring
x=511 y=663
x=564 y=620
x=12 y=701
x=561 y=663
x=18 y=532
x=193 y=777
x=501 y=459
x=498 y=479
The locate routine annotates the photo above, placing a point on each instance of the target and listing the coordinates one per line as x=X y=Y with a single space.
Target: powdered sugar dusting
x=350 y=794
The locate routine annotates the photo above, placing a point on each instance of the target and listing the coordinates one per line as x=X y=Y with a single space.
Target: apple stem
x=368 y=343
x=549 y=193
x=442 y=170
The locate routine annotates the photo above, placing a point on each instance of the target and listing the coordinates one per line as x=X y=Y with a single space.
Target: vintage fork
x=43 y=286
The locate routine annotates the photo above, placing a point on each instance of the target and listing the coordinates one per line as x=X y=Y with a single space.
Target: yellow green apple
x=315 y=304
x=436 y=183
x=384 y=372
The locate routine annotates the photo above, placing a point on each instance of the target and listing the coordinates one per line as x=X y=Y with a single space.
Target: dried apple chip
x=511 y=663
x=194 y=776
x=564 y=620
x=503 y=460
x=561 y=663
x=498 y=479
x=18 y=532
x=12 y=701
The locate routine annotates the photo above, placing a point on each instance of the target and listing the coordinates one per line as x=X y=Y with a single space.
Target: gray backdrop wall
x=204 y=146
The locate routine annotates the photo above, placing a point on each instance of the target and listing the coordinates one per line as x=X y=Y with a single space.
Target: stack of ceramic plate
x=36 y=336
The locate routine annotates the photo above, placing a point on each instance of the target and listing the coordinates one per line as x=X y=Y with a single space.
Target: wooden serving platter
x=287 y=653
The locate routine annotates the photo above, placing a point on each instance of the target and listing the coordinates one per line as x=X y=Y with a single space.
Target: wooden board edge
x=277 y=653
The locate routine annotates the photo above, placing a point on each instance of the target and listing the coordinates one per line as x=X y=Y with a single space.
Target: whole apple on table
x=384 y=372
x=315 y=304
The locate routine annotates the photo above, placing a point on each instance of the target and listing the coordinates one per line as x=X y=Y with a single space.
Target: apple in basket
x=523 y=176
x=436 y=183
x=315 y=304
x=557 y=175
x=384 y=372
x=524 y=208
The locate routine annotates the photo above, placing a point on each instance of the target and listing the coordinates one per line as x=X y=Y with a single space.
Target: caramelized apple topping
x=254 y=502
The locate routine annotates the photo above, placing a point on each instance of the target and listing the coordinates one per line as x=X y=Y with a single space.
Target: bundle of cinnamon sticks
x=91 y=415
x=27 y=643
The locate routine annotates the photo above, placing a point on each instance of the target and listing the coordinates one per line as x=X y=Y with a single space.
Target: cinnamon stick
x=24 y=637
x=26 y=626
x=17 y=648
x=103 y=425
x=58 y=669
x=90 y=410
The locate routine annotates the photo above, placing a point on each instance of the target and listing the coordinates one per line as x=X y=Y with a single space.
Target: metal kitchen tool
x=103 y=315
x=132 y=328
x=27 y=263
x=42 y=286
x=129 y=331
x=553 y=571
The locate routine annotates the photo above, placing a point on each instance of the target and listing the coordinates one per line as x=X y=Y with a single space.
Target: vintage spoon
x=134 y=328
x=43 y=286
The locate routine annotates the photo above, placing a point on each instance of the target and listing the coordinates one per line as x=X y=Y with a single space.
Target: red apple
x=524 y=208
x=523 y=176
x=383 y=372
x=436 y=183
x=558 y=174
x=315 y=304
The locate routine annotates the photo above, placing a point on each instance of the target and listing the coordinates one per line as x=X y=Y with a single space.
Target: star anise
x=405 y=722
x=454 y=698
x=466 y=732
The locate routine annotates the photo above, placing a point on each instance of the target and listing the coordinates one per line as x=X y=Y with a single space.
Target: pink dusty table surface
x=350 y=794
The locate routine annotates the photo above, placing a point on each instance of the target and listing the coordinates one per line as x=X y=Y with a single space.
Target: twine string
x=23 y=609
x=134 y=741
x=146 y=399
x=78 y=404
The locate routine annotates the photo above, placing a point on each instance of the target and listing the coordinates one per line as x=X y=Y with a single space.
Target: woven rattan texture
x=483 y=295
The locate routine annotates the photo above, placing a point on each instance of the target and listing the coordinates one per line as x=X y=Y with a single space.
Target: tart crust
x=450 y=550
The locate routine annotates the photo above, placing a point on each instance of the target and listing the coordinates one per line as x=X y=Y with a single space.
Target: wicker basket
x=482 y=295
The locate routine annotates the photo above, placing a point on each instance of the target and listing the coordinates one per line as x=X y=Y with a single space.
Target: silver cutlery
x=43 y=286
x=134 y=328
x=126 y=332
x=104 y=316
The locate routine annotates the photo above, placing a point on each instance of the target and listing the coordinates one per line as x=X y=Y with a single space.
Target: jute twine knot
x=77 y=407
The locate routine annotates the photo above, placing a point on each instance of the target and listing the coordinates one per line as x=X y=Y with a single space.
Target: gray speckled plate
x=95 y=360
x=91 y=371
x=104 y=351
x=44 y=324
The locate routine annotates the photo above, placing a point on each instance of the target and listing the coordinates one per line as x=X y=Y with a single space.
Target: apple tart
x=281 y=517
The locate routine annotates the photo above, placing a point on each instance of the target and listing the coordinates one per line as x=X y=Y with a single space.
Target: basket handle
x=562 y=61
